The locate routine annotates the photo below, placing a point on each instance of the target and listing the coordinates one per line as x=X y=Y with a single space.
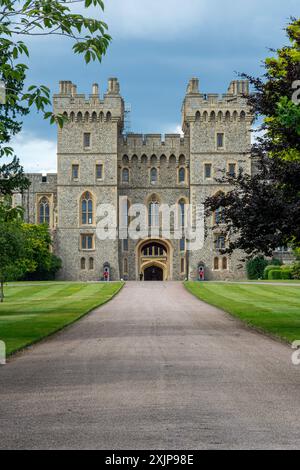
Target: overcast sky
x=157 y=46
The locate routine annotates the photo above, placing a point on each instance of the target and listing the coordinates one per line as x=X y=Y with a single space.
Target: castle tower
x=218 y=128
x=87 y=152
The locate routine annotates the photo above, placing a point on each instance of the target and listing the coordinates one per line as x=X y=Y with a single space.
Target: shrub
x=46 y=273
x=269 y=268
x=275 y=274
x=286 y=273
x=255 y=267
x=296 y=271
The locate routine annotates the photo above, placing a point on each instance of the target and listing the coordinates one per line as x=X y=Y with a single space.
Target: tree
x=255 y=267
x=37 y=18
x=262 y=211
x=42 y=263
x=12 y=251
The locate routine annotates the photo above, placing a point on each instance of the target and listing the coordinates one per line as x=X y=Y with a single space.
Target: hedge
x=275 y=274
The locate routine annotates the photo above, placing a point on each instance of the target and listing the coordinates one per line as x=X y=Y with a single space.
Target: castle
x=98 y=163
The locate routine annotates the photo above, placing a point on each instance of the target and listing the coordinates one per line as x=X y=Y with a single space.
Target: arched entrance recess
x=154 y=260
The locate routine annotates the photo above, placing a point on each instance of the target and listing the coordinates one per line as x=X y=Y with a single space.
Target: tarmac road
x=153 y=369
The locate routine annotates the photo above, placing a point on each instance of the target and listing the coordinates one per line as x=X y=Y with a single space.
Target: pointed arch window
x=154 y=213
x=181 y=205
x=216 y=264
x=220 y=216
x=181 y=175
x=224 y=263
x=87 y=210
x=82 y=263
x=125 y=175
x=44 y=211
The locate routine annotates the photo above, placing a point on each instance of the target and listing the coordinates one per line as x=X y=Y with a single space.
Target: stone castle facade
x=98 y=163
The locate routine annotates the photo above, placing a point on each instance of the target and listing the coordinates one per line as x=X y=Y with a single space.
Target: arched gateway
x=154 y=260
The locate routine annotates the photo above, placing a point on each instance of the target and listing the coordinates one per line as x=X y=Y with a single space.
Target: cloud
x=37 y=155
x=155 y=19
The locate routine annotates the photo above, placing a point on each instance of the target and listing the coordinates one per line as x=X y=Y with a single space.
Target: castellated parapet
x=97 y=163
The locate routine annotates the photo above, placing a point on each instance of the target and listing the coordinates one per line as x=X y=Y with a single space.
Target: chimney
x=74 y=90
x=193 y=86
x=113 y=86
x=95 y=89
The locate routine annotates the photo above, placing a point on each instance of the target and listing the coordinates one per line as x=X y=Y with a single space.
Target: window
x=91 y=264
x=44 y=179
x=182 y=265
x=44 y=211
x=181 y=175
x=181 y=213
x=182 y=244
x=232 y=169
x=153 y=175
x=125 y=244
x=154 y=250
x=220 y=140
x=224 y=263
x=87 y=209
x=216 y=264
x=87 y=242
x=125 y=266
x=99 y=171
x=75 y=172
x=154 y=214
x=82 y=263
x=86 y=139
x=220 y=242
x=220 y=216
x=125 y=175
x=207 y=170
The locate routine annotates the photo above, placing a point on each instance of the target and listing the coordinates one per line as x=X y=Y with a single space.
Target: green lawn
x=32 y=311
x=273 y=309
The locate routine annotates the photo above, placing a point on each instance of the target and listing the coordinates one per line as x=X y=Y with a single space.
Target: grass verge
x=272 y=309
x=33 y=311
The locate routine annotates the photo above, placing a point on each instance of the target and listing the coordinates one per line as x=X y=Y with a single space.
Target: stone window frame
x=91 y=263
x=214 y=222
x=86 y=234
x=216 y=258
x=39 y=197
x=87 y=147
x=182 y=265
x=102 y=164
x=182 y=167
x=220 y=149
x=228 y=166
x=93 y=209
x=153 y=183
x=227 y=264
x=216 y=237
x=74 y=163
x=211 y=177
x=125 y=266
x=82 y=263
x=129 y=175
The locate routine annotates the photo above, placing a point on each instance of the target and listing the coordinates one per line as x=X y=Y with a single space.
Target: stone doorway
x=153 y=273
x=154 y=260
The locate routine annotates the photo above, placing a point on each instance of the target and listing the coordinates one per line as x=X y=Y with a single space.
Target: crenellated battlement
x=212 y=107
x=92 y=108
x=149 y=146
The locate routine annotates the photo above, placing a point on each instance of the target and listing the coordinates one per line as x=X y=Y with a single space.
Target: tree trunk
x=1 y=292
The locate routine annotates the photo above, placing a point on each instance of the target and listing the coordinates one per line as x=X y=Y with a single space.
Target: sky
x=158 y=45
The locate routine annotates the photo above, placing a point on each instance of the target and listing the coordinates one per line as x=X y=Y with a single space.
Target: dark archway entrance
x=153 y=273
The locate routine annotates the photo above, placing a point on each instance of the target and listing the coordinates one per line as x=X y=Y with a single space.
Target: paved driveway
x=154 y=368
